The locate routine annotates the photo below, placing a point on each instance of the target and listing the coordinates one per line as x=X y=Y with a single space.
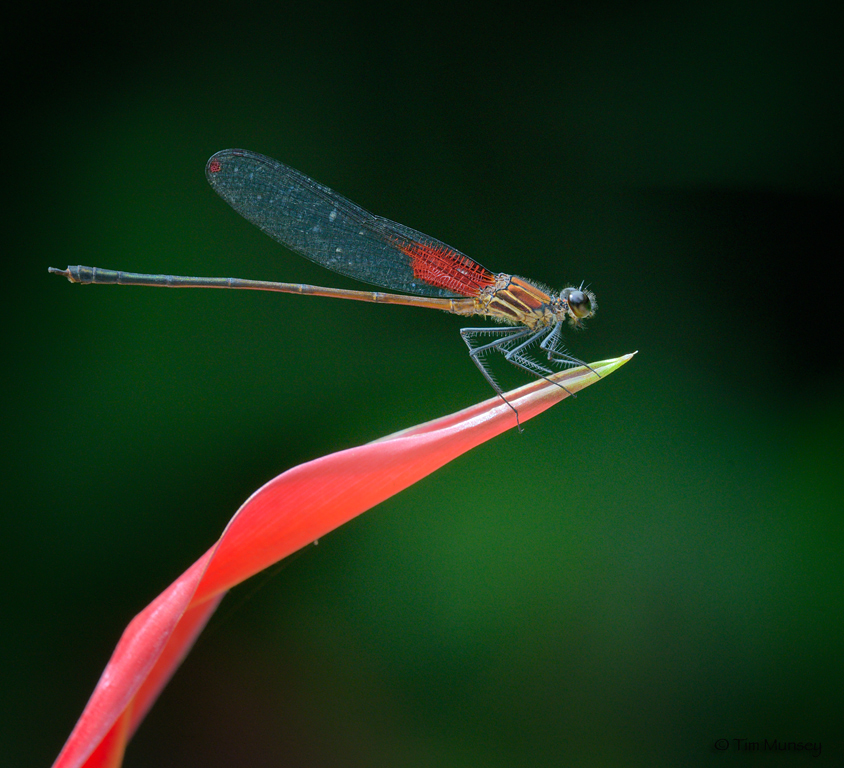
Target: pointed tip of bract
x=575 y=379
x=603 y=367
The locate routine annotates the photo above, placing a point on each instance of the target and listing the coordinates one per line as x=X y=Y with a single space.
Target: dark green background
x=647 y=569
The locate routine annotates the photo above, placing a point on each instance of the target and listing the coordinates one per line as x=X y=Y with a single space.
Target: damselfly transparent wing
x=327 y=228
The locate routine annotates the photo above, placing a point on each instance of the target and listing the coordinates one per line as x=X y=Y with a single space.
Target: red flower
x=291 y=511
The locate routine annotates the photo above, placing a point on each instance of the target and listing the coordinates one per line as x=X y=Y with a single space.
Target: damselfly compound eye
x=580 y=304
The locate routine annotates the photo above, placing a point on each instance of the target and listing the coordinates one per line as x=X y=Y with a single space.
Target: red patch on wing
x=443 y=267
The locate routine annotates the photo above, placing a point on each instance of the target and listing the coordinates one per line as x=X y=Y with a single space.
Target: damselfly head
x=581 y=304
